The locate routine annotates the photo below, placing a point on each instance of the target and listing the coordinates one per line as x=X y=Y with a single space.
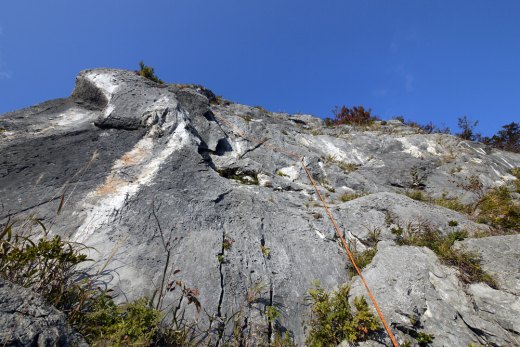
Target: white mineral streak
x=508 y=163
x=122 y=183
x=409 y=148
x=105 y=81
x=479 y=150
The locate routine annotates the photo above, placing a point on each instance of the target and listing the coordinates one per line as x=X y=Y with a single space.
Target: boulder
x=27 y=320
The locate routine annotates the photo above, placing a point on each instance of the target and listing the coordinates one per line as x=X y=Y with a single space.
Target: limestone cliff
x=139 y=163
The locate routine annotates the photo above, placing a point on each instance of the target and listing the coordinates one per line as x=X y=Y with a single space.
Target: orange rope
x=349 y=253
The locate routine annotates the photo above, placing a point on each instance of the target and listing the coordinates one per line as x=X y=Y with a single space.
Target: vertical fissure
x=221 y=259
x=270 y=321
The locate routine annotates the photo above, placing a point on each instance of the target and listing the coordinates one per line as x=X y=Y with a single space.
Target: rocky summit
x=168 y=183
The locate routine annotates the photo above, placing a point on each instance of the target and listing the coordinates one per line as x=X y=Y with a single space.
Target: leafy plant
x=347 y=167
x=266 y=251
x=365 y=257
x=148 y=72
x=453 y=204
x=248 y=178
x=47 y=265
x=497 y=209
x=453 y=223
x=333 y=319
x=227 y=243
x=424 y=339
x=247 y=118
x=108 y=324
x=347 y=197
x=416 y=195
x=272 y=314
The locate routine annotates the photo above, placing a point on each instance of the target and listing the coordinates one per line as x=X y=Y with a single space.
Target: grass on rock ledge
x=468 y=263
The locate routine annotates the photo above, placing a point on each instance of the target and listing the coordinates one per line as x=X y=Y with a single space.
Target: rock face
x=417 y=293
x=500 y=257
x=158 y=177
x=27 y=320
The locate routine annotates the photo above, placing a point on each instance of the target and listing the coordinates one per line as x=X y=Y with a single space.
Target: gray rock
x=140 y=164
x=375 y=215
x=500 y=257
x=418 y=294
x=497 y=305
x=27 y=320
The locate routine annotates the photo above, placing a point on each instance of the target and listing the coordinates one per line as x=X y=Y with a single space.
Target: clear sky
x=427 y=60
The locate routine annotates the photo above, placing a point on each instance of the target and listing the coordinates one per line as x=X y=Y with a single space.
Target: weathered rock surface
x=418 y=294
x=140 y=164
x=375 y=215
x=27 y=320
x=500 y=257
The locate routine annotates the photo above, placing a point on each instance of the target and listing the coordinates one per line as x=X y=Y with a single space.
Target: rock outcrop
x=153 y=173
x=417 y=293
x=27 y=320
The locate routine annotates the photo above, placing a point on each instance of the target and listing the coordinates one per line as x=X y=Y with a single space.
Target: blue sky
x=429 y=60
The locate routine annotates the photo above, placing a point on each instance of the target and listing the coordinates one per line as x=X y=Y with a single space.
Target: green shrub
x=49 y=266
x=261 y=109
x=248 y=178
x=424 y=339
x=453 y=223
x=416 y=195
x=247 y=118
x=333 y=320
x=516 y=183
x=148 y=72
x=497 y=209
x=347 y=167
x=364 y=258
x=108 y=324
x=453 y=204
x=348 y=197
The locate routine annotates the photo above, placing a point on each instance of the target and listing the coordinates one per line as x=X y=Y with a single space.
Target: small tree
x=508 y=138
x=467 y=127
x=148 y=72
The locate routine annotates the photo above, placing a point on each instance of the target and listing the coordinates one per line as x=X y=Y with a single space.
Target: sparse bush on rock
x=148 y=72
x=356 y=115
x=334 y=320
x=467 y=263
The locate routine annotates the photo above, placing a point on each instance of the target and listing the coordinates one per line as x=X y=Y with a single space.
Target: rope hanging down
x=350 y=256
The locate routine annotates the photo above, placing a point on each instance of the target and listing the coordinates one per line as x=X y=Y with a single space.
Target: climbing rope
x=350 y=256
